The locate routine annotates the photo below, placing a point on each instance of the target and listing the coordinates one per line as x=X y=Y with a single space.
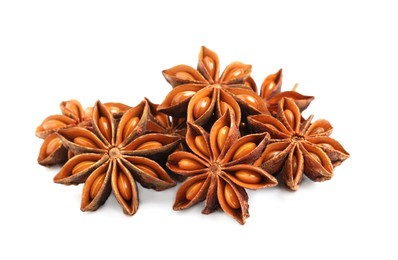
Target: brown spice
x=219 y=168
x=296 y=147
x=113 y=158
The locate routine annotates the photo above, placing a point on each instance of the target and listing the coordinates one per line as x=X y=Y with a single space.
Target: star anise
x=114 y=156
x=200 y=94
x=52 y=151
x=296 y=147
x=219 y=168
x=272 y=94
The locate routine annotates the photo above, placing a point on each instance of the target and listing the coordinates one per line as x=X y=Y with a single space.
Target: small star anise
x=200 y=94
x=114 y=156
x=219 y=168
x=296 y=147
x=52 y=151
x=272 y=94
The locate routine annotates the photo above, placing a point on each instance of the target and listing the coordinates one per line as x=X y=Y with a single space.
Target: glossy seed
x=222 y=136
x=248 y=176
x=189 y=164
x=85 y=142
x=201 y=107
x=184 y=76
x=96 y=185
x=53 y=124
x=130 y=126
x=193 y=190
x=224 y=106
x=250 y=100
x=316 y=157
x=244 y=150
x=318 y=130
x=181 y=96
x=81 y=166
x=53 y=145
x=124 y=186
x=71 y=106
x=271 y=154
x=294 y=164
x=209 y=64
x=113 y=109
x=149 y=145
x=147 y=170
x=105 y=127
x=230 y=197
x=290 y=118
x=163 y=119
x=200 y=143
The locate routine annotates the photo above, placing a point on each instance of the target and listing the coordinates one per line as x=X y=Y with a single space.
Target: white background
x=342 y=52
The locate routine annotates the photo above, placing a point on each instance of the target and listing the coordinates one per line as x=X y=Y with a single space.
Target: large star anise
x=296 y=147
x=272 y=94
x=200 y=94
x=52 y=151
x=114 y=156
x=219 y=168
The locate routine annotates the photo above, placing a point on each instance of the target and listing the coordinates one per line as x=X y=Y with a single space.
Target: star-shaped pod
x=200 y=94
x=219 y=168
x=296 y=147
x=114 y=156
x=52 y=151
x=272 y=94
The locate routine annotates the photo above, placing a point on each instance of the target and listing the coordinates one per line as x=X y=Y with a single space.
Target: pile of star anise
x=213 y=133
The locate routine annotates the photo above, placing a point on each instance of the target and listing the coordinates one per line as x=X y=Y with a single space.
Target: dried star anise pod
x=52 y=151
x=296 y=147
x=271 y=93
x=219 y=168
x=200 y=94
x=114 y=156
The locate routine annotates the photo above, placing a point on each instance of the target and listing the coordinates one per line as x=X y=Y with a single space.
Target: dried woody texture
x=296 y=147
x=271 y=93
x=219 y=168
x=52 y=151
x=200 y=95
x=114 y=156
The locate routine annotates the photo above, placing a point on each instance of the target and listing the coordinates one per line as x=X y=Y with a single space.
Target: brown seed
x=113 y=109
x=105 y=127
x=96 y=185
x=53 y=145
x=248 y=176
x=71 y=106
x=294 y=164
x=147 y=170
x=163 y=119
x=53 y=124
x=316 y=157
x=81 y=166
x=317 y=130
x=224 y=106
x=290 y=118
x=85 y=142
x=244 y=150
x=193 y=190
x=124 y=186
x=235 y=73
x=251 y=101
x=271 y=154
x=201 y=107
x=230 y=197
x=209 y=64
x=201 y=145
x=180 y=96
x=189 y=164
x=184 y=76
x=130 y=126
x=222 y=136
x=149 y=145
